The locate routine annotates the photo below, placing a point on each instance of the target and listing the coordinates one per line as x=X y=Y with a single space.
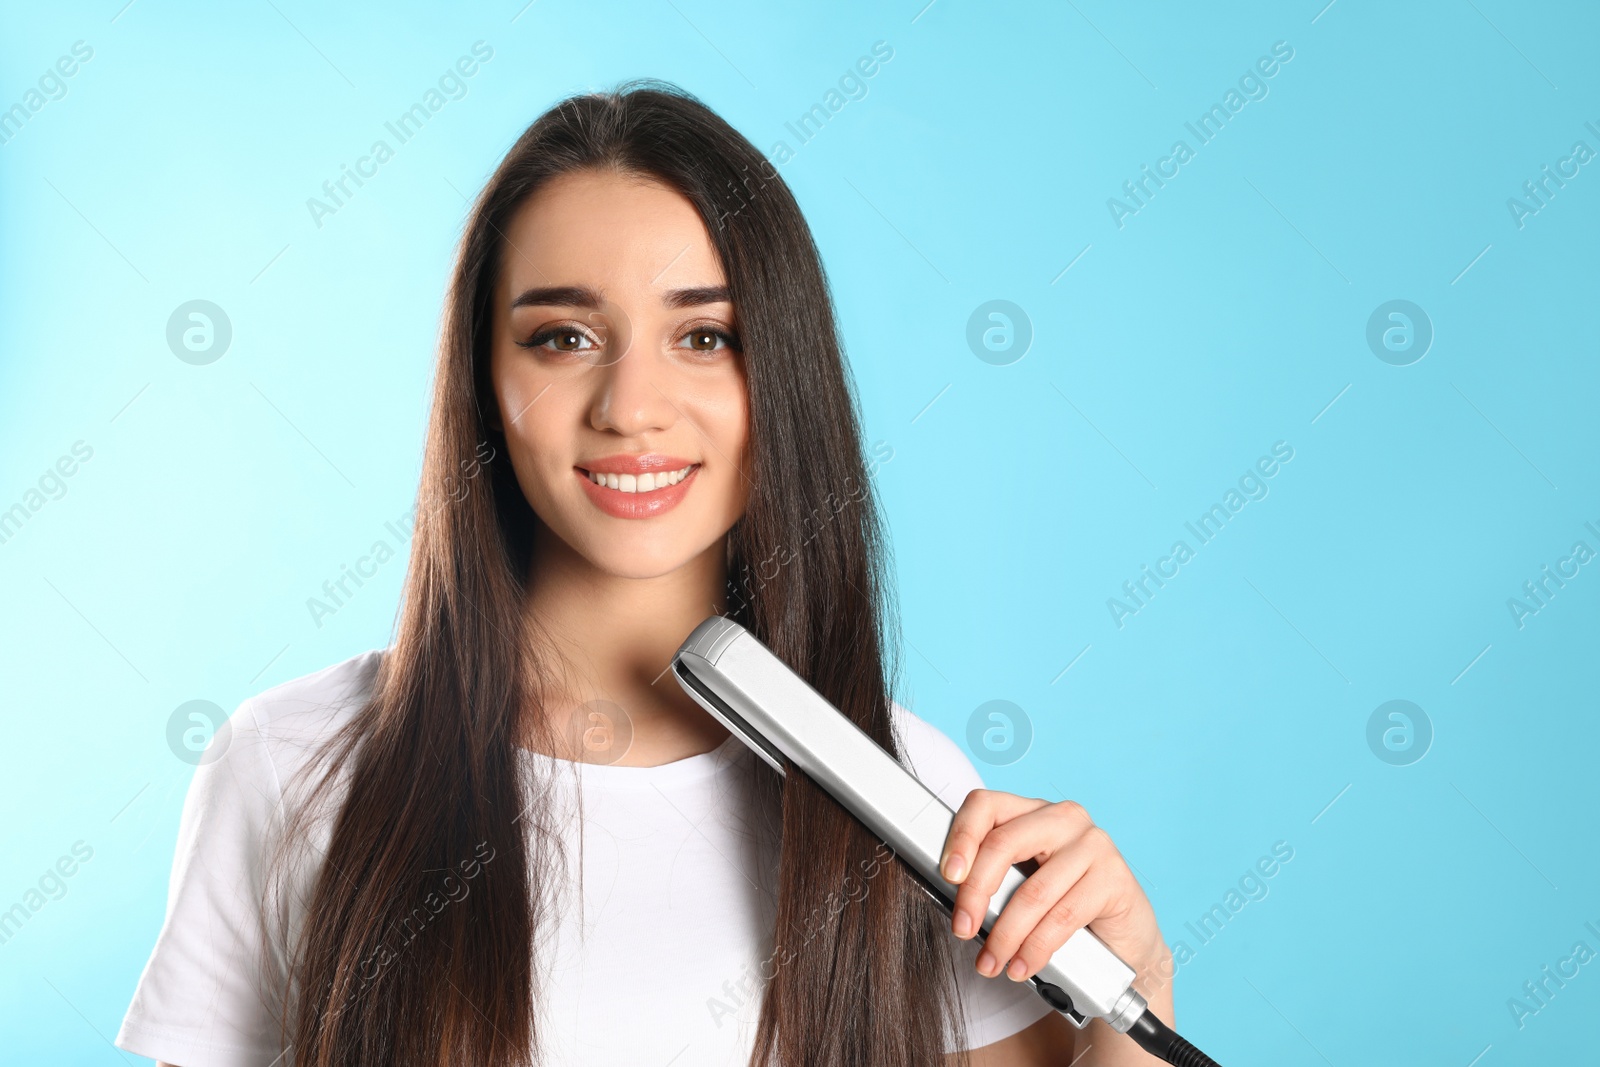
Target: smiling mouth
x=640 y=483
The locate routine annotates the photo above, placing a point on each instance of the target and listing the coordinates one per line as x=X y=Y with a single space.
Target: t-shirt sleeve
x=209 y=993
x=994 y=1008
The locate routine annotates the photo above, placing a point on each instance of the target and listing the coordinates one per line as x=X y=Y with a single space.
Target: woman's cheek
x=730 y=414
x=531 y=460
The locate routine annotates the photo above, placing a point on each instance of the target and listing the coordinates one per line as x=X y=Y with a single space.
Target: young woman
x=507 y=838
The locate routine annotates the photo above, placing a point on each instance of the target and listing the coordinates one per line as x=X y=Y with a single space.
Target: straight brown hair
x=431 y=764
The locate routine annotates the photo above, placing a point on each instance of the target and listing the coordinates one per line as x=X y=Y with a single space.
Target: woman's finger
x=1036 y=834
x=1034 y=898
x=980 y=812
x=1093 y=897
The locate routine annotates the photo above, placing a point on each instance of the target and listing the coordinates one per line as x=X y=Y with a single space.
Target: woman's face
x=617 y=372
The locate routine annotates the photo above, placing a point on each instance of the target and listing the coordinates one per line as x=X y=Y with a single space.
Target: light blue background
x=1229 y=714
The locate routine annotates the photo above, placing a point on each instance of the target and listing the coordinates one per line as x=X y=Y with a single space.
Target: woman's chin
x=641 y=558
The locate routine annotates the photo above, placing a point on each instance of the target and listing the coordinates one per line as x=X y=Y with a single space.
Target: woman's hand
x=1081 y=880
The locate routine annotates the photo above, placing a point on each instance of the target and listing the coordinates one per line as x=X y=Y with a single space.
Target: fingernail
x=954 y=868
x=987 y=964
x=1016 y=970
x=963 y=925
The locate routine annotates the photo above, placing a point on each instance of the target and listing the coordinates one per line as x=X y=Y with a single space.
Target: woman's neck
x=614 y=639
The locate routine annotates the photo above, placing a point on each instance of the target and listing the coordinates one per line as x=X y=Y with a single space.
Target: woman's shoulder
x=311 y=708
x=209 y=991
x=933 y=757
x=272 y=735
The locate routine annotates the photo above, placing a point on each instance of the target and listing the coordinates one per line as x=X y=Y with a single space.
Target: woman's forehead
x=603 y=229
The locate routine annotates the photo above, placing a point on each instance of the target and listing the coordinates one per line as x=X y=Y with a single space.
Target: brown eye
x=709 y=340
x=561 y=339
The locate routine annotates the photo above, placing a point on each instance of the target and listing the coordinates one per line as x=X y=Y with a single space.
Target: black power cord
x=1149 y=1032
x=1159 y=1039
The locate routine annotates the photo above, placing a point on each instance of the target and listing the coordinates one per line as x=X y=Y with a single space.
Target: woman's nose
x=630 y=396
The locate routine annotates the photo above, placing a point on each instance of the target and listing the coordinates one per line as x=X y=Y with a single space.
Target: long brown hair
x=434 y=782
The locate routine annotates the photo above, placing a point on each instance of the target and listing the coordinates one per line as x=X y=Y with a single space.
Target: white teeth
x=641 y=483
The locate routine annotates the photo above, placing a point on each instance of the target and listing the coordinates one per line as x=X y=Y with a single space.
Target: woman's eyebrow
x=577 y=296
x=582 y=296
x=686 y=298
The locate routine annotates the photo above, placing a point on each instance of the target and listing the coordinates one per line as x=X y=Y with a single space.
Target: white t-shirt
x=657 y=959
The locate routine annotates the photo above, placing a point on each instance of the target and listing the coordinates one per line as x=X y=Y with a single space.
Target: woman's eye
x=561 y=339
x=708 y=340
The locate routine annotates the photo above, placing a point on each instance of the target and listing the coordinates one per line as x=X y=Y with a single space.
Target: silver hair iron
x=742 y=684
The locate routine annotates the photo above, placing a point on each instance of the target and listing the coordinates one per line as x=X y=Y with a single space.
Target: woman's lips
x=636 y=505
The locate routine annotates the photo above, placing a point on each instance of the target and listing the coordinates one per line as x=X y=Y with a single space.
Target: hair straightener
x=786 y=722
